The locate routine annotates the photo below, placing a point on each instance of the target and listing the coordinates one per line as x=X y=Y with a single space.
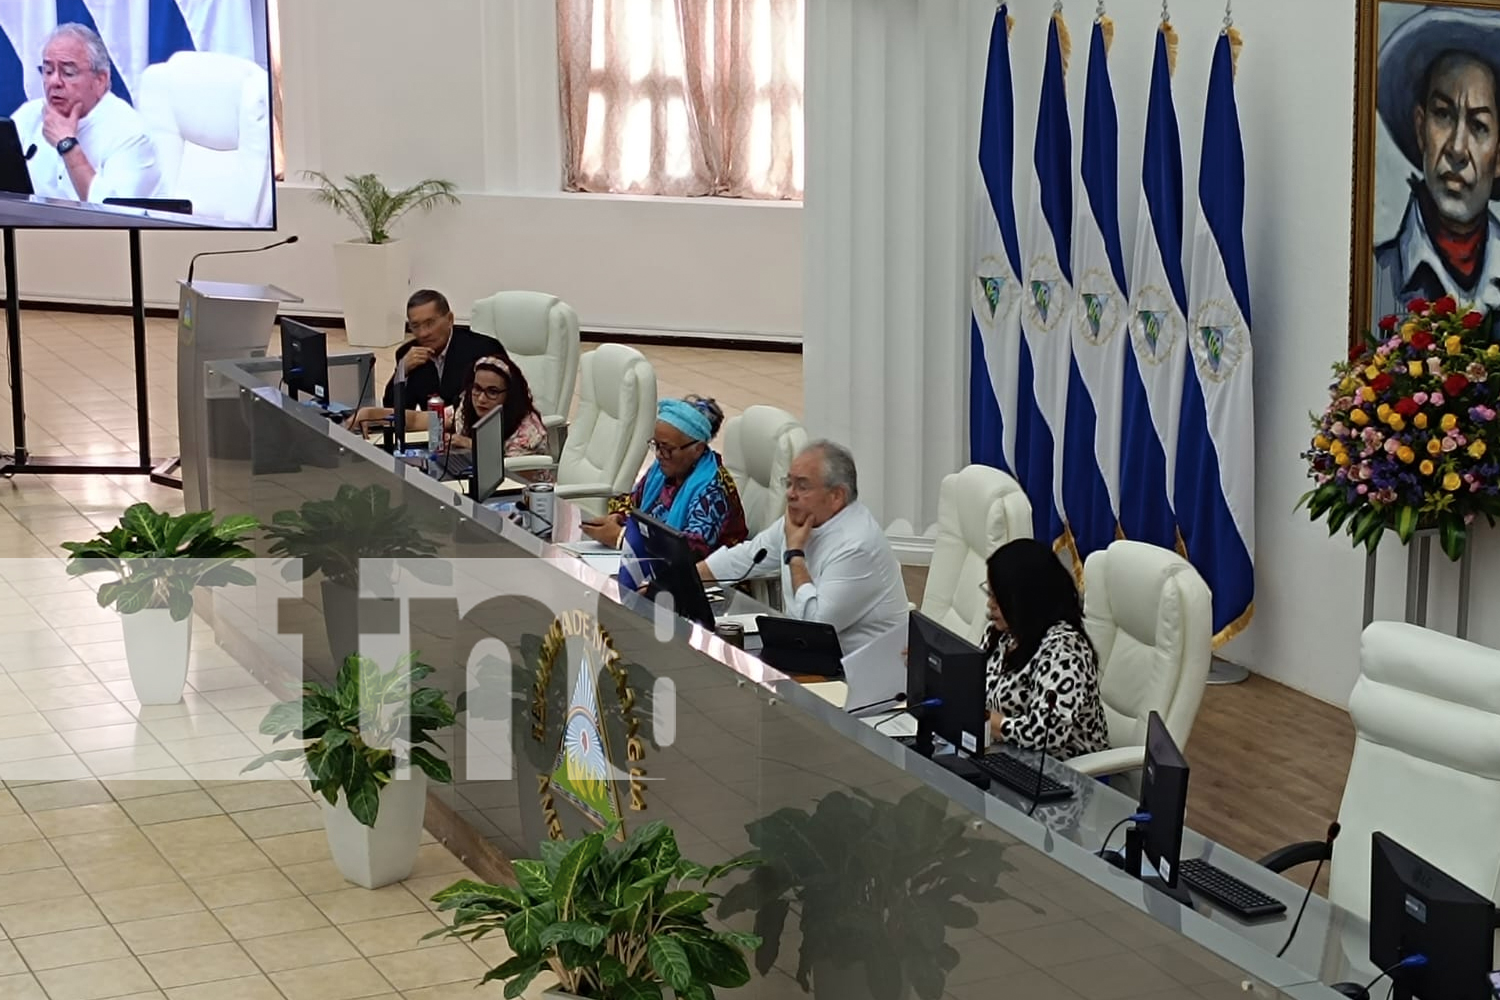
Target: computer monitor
x=489 y=455
x=1164 y=785
x=1416 y=909
x=15 y=175
x=949 y=668
x=304 y=360
x=674 y=568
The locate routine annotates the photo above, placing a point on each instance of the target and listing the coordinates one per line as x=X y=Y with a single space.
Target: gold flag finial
x=1171 y=36
x=1235 y=44
x=1107 y=27
x=1064 y=42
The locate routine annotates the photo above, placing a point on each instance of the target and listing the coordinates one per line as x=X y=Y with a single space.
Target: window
x=683 y=97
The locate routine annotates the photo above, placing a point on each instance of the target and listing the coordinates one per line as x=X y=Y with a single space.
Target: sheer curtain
x=682 y=97
x=273 y=32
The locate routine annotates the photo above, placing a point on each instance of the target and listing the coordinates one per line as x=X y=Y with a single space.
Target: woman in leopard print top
x=1043 y=676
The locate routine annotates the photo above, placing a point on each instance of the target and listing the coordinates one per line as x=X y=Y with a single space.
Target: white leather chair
x=209 y=116
x=980 y=508
x=758 y=448
x=1426 y=765
x=540 y=333
x=616 y=417
x=1150 y=616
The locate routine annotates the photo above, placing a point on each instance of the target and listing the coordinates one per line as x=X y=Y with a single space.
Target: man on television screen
x=90 y=145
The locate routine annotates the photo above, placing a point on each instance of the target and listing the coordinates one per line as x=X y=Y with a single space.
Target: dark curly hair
x=518 y=402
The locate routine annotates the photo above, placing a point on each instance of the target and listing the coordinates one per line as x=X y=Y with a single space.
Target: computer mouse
x=1355 y=990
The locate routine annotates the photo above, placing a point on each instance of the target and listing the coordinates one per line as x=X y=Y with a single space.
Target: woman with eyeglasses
x=1043 y=677
x=687 y=487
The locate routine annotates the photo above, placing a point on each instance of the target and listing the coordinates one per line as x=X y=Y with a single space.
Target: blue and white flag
x=1216 y=452
x=995 y=315
x=1047 y=306
x=1155 y=364
x=1091 y=474
x=137 y=33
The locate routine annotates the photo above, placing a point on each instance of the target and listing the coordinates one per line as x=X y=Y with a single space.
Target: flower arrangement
x=1410 y=439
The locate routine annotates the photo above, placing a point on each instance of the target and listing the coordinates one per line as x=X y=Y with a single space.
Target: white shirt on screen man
x=112 y=136
x=850 y=578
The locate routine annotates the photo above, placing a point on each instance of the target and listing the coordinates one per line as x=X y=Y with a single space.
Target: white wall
x=466 y=91
x=1295 y=92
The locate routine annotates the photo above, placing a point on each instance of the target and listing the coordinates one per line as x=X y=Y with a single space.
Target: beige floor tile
x=276 y=821
x=316 y=876
x=11 y=962
x=219 y=891
x=141 y=786
x=27 y=723
x=393 y=934
x=164 y=900
x=296 y=848
x=28 y=856
x=96 y=980
x=194 y=862
x=340 y=981
x=82 y=819
x=348 y=905
x=249 y=988
x=8 y=804
x=23 y=748
x=435 y=859
x=86 y=849
x=169 y=808
x=109 y=738
x=21 y=987
x=277 y=916
x=183 y=930
x=127 y=760
x=28 y=887
x=190 y=727
x=203 y=749
x=424 y=888
x=300 y=949
x=207 y=831
x=89 y=717
x=113 y=875
x=409 y=970
x=17 y=828
x=49 y=916
x=205 y=964
x=75 y=947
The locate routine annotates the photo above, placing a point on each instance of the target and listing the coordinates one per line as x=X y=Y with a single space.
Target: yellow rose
x=1449 y=422
x=1367 y=394
x=1383 y=411
x=1426 y=467
x=1477 y=449
x=1454 y=345
x=1342 y=458
x=1415 y=369
x=1451 y=482
x=1406 y=454
x=1419 y=421
x=1493 y=351
x=1347 y=385
x=1358 y=417
x=1434 y=446
x=1408 y=328
x=1371 y=372
x=1320 y=442
x=1396 y=422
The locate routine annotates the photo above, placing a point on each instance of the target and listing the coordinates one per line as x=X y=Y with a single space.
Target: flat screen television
x=174 y=100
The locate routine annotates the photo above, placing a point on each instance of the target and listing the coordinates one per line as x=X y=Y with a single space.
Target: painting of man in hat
x=1438 y=100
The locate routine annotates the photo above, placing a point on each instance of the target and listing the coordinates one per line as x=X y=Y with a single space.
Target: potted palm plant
x=615 y=923
x=358 y=735
x=374 y=271
x=332 y=536
x=159 y=559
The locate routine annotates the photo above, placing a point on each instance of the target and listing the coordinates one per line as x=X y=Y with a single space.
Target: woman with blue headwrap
x=687 y=487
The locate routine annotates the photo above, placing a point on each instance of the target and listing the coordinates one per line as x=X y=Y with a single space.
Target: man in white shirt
x=90 y=144
x=836 y=563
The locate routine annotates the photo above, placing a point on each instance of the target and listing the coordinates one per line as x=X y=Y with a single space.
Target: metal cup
x=732 y=633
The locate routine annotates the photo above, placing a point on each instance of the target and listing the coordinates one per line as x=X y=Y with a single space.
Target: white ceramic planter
x=374 y=281
x=156 y=650
x=386 y=853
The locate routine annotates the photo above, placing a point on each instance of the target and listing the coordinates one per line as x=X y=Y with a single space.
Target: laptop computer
x=15 y=176
x=794 y=646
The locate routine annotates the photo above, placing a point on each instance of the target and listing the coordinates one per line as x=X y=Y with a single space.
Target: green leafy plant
x=874 y=882
x=365 y=200
x=358 y=732
x=611 y=923
x=161 y=558
x=332 y=536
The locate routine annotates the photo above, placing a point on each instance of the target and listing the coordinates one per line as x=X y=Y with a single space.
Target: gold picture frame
x=1369 y=182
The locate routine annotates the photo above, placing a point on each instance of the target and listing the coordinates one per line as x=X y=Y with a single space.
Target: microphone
x=899 y=696
x=1041 y=754
x=1333 y=834
x=760 y=557
x=31 y=152
x=220 y=253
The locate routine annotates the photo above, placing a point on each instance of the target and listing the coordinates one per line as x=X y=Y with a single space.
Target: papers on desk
x=876 y=671
x=587 y=547
x=607 y=563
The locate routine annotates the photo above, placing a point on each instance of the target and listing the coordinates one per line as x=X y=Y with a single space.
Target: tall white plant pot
x=386 y=853
x=374 y=280
x=156 y=651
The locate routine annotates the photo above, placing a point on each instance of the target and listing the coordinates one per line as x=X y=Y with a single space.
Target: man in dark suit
x=440 y=355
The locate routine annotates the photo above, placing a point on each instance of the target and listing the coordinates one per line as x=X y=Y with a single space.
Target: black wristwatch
x=790 y=554
x=67 y=146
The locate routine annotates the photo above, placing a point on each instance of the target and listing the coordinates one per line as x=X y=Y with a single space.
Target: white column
x=893 y=92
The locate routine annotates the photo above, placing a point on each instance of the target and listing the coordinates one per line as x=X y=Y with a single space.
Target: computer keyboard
x=1020 y=776
x=1226 y=891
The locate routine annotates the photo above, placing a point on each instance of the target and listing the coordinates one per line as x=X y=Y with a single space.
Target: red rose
x=1382 y=382
x=1471 y=320
x=1455 y=384
x=1406 y=407
x=1422 y=340
x=1417 y=305
x=1388 y=323
x=1356 y=351
x=1444 y=306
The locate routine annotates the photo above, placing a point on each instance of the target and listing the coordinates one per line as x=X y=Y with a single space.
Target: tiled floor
x=129 y=865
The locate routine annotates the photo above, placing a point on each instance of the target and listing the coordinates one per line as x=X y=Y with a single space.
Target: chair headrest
x=609 y=368
x=979 y=495
x=198 y=87
x=521 y=320
x=1131 y=577
x=760 y=431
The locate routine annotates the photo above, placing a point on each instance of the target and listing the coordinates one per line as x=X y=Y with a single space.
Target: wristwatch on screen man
x=790 y=554
x=67 y=146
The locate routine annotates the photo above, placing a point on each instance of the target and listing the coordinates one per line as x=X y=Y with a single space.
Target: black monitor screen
x=1164 y=795
x=674 y=568
x=304 y=360
x=947 y=667
x=489 y=453
x=1416 y=909
x=186 y=100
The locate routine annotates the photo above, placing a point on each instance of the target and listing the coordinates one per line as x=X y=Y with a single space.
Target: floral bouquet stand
x=1410 y=443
